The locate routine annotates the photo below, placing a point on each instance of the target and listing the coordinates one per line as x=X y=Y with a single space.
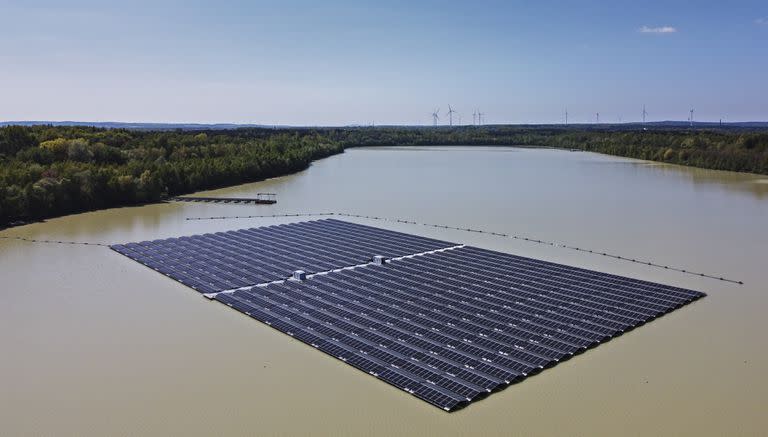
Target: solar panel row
x=448 y=327
x=452 y=326
x=226 y=260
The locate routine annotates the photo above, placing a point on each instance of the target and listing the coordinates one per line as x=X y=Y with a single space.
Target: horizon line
x=4 y=123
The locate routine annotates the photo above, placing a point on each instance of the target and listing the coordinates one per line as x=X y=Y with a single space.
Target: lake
x=93 y=343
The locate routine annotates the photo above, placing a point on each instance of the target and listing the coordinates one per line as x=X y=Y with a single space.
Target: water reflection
x=756 y=185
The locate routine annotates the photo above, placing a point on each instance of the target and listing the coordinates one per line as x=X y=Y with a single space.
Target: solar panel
x=211 y=263
x=451 y=327
x=448 y=326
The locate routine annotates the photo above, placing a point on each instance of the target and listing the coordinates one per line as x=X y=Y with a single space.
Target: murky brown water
x=92 y=343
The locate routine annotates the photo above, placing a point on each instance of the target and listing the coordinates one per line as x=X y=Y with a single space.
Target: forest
x=741 y=150
x=48 y=171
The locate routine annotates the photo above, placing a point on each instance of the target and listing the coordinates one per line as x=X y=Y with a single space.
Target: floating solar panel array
x=211 y=263
x=450 y=324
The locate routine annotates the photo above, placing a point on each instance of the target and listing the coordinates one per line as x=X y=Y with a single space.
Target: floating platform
x=445 y=322
x=261 y=198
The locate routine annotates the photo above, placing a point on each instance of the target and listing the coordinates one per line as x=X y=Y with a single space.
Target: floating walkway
x=260 y=199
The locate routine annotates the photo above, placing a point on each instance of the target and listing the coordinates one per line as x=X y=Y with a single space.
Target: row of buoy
x=412 y=222
x=84 y=243
x=550 y=243
x=33 y=240
x=481 y=231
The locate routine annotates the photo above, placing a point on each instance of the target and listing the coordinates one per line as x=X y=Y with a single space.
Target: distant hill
x=671 y=124
x=137 y=126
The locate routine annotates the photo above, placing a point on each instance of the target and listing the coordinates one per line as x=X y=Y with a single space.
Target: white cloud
x=657 y=30
x=762 y=20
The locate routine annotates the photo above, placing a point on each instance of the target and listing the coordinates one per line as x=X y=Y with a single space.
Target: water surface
x=93 y=343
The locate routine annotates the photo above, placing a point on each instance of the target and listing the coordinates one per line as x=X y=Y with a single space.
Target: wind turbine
x=566 y=116
x=474 y=117
x=690 y=119
x=597 y=118
x=435 y=117
x=450 y=115
x=645 y=113
x=480 y=116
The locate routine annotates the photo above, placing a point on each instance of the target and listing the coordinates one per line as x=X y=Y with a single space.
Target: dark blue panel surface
x=226 y=260
x=448 y=327
x=451 y=327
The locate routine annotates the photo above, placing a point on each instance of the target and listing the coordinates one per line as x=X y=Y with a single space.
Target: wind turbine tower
x=479 y=117
x=566 y=116
x=450 y=115
x=435 y=117
x=597 y=118
x=690 y=119
x=645 y=113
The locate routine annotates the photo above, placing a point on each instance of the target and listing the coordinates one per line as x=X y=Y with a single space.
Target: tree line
x=47 y=171
x=50 y=171
x=742 y=150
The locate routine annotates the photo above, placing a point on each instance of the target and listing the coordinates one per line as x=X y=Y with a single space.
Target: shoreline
x=169 y=199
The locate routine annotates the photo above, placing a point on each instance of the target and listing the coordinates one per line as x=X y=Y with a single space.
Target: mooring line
x=480 y=231
x=32 y=240
x=550 y=243
x=85 y=243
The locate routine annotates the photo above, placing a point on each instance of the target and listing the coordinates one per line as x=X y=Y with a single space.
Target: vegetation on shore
x=739 y=150
x=47 y=171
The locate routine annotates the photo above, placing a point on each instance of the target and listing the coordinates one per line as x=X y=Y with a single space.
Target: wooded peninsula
x=48 y=171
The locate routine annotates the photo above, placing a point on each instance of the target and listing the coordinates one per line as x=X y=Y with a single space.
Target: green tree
x=15 y=138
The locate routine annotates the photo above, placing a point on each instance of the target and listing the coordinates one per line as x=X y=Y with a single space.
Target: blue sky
x=342 y=62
